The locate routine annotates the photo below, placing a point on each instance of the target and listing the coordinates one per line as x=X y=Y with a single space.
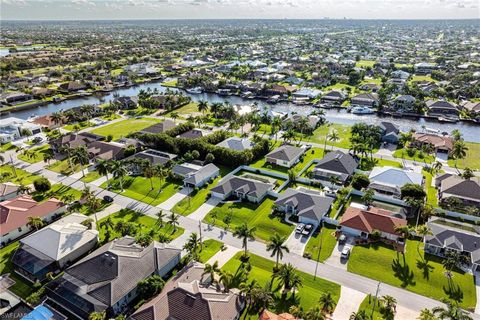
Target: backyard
x=262 y=271
x=21 y=287
x=255 y=215
x=321 y=132
x=325 y=245
x=122 y=128
x=415 y=271
x=432 y=198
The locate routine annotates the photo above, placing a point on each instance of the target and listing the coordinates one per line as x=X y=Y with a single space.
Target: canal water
x=471 y=132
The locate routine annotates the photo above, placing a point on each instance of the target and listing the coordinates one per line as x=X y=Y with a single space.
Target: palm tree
x=288 y=136
x=453 y=259
x=211 y=270
x=389 y=306
x=202 y=106
x=276 y=125
x=327 y=303
x=437 y=166
x=360 y=315
x=103 y=167
x=452 y=311
x=423 y=231
x=23 y=189
x=144 y=239
x=66 y=149
x=285 y=275
x=426 y=314
x=303 y=125
x=174 y=116
x=367 y=197
x=56 y=117
x=192 y=246
x=459 y=151
x=333 y=137
x=97 y=316
x=247 y=288
x=119 y=171
x=35 y=222
x=263 y=297
x=160 y=216
x=80 y=156
x=226 y=278
x=48 y=156
x=277 y=247
x=245 y=233
x=173 y=221
x=161 y=173
x=149 y=172
x=315 y=313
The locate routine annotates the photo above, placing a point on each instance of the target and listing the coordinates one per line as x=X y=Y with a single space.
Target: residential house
x=400 y=74
x=365 y=99
x=243 y=188
x=390 y=132
x=362 y=222
x=334 y=97
x=472 y=107
x=404 y=102
x=308 y=205
x=72 y=86
x=154 y=157
x=424 y=68
x=465 y=190
x=312 y=123
x=237 y=144
x=195 y=176
x=126 y=102
x=73 y=140
x=448 y=235
x=389 y=181
x=269 y=315
x=8 y=190
x=14 y=215
x=160 y=127
x=54 y=247
x=107 y=279
x=440 y=144
x=12 y=128
x=306 y=93
x=13 y=98
x=191 y=295
x=194 y=134
x=336 y=165
x=105 y=150
x=285 y=156
x=373 y=87
x=441 y=107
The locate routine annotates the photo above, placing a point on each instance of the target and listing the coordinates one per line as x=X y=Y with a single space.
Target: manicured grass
x=210 y=248
x=91 y=176
x=343 y=132
x=367 y=305
x=22 y=176
x=364 y=63
x=418 y=272
x=144 y=223
x=261 y=164
x=421 y=78
x=113 y=116
x=58 y=191
x=366 y=164
x=63 y=167
x=418 y=156
x=472 y=160
x=139 y=188
x=22 y=288
x=432 y=198
x=34 y=155
x=327 y=245
x=262 y=271
x=123 y=128
x=309 y=155
x=7 y=146
x=187 y=109
x=255 y=215
x=78 y=125
x=171 y=83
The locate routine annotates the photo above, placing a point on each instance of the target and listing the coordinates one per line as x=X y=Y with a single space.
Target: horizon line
x=240 y=19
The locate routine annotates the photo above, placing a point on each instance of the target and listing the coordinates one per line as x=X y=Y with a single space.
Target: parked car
x=342 y=239
x=308 y=228
x=345 y=253
x=107 y=199
x=300 y=228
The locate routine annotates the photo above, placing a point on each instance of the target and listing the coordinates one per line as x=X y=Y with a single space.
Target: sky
x=237 y=9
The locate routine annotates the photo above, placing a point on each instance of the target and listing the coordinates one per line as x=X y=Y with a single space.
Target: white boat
x=362 y=110
x=195 y=90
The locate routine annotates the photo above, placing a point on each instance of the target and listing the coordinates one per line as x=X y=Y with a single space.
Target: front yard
x=63 y=167
x=18 y=176
x=35 y=154
x=416 y=156
x=415 y=271
x=325 y=245
x=255 y=215
x=122 y=128
x=139 y=188
x=209 y=248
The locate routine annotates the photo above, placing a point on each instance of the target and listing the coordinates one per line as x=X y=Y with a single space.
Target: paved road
x=406 y=299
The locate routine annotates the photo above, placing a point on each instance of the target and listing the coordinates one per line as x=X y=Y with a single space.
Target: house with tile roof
x=54 y=247
x=242 y=188
x=389 y=181
x=269 y=315
x=336 y=164
x=191 y=295
x=14 y=215
x=107 y=279
x=360 y=221
x=308 y=205
x=440 y=144
x=285 y=156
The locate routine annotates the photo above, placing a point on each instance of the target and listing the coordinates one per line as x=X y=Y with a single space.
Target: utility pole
x=200 y=233
x=319 y=249
x=375 y=300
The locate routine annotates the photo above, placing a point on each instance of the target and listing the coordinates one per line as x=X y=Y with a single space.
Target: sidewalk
x=349 y=302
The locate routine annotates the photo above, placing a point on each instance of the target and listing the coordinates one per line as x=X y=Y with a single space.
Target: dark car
x=107 y=199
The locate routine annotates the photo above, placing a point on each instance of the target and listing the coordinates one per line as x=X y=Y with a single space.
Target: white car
x=300 y=228
x=345 y=252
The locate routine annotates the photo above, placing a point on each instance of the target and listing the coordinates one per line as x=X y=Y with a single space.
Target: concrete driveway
x=176 y=198
x=349 y=302
x=296 y=243
x=335 y=259
x=204 y=209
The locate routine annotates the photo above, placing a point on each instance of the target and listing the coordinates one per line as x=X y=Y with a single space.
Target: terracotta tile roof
x=268 y=315
x=435 y=140
x=14 y=213
x=371 y=219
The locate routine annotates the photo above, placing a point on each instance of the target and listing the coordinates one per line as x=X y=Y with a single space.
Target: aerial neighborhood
x=272 y=170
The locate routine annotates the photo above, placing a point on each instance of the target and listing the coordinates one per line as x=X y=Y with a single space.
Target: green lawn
x=22 y=288
x=58 y=191
x=210 y=248
x=416 y=78
x=418 y=156
x=313 y=153
x=255 y=215
x=63 y=167
x=186 y=110
x=35 y=154
x=327 y=244
x=261 y=164
x=366 y=164
x=307 y=295
x=422 y=274
x=364 y=63
x=343 y=132
x=22 y=176
x=6 y=146
x=144 y=223
x=123 y=128
x=367 y=305
x=472 y=160
x=78 y=125
x=91 y=176
x=139 y=188
x=432 y=198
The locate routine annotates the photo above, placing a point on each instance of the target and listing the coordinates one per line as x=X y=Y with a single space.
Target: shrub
x=42 y=185
x=360 y=181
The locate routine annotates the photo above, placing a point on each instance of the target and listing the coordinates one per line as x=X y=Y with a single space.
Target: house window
x=19 y=229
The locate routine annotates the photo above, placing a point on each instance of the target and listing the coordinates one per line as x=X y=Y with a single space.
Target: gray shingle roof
x=285 y=153
x=236 y=143
x=309 y=204
x=461 y=188
x=338 y=161
x=204 y=173
x=247 y=186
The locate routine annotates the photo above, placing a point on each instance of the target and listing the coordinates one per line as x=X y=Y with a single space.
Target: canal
x=471 y=132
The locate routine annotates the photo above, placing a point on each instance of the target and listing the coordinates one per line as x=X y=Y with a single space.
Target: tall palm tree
x=426 y=314
x=66 y=149
x=192 y=246
x=174 y=115
x=162 y=174
x=276 y=245
x=360 y=315
x=35 y=222
x=119 y=171
x=173 y=221
x=226 y=278
x=160 y=216
x=80 y=157
x=211 y=270
x=149 y=172
x=423 y=231
x=315 y=313
x=276 y=126
x=23 y=189
x=202 y=106
x=103 y=167
x=452 y=311
x=389 y=306
x=367 y=197
x=56 y=118
x=333 y=137
x=245 y=233
x=48 y=156
x=247 y=288
x=327 y=303
x=459 y=151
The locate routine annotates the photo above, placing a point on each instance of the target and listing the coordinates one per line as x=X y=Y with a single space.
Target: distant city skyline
x=237 y=9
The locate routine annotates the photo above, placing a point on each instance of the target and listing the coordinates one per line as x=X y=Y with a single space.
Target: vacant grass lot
x=139 y=188
x=123 y=128
x=418 y=272
x=145 y=223
x=325 y=245
x=63 y=167
x=35 y=154
x=209 y=249
x=15 y=175
x=307 y=295
x=78 y=125
x=255 y=215
x=364 y=63
x=343 y=132
x=22 y=288
x=472 y=160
